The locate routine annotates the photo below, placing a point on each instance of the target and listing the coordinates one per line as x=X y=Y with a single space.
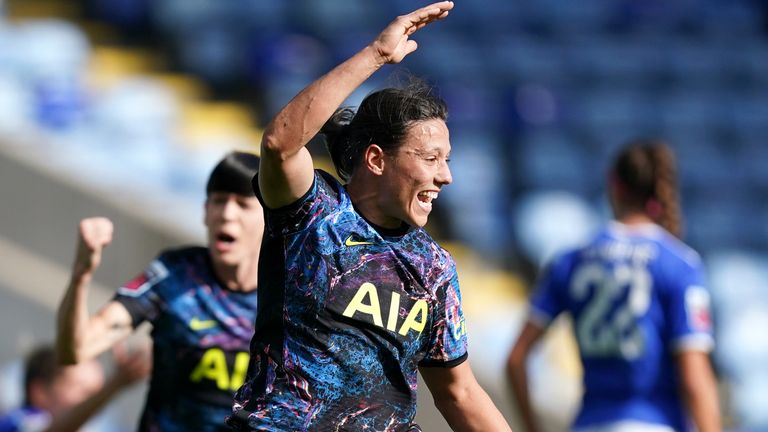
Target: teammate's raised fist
x=94 y=234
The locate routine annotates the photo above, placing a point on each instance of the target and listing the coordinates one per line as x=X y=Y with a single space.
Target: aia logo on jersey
x=697 y=308
x=155 y=272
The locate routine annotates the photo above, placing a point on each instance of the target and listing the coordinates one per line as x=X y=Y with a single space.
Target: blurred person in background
x=362 y=295
x=63 y=398
x=640 y=309
x=201 y=302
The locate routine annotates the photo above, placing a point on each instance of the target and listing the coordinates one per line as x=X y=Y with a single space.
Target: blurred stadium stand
x=121 y=107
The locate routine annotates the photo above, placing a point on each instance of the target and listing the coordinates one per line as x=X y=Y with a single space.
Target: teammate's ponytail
x=666 y=189
x=646 y=172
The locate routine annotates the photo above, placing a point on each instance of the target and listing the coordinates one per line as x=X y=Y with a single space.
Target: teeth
x=430 y=194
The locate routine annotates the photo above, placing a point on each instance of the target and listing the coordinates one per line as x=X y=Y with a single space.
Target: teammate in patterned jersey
x=200 y=301
x=64 y=398
x=360 y=297
x=640 y=310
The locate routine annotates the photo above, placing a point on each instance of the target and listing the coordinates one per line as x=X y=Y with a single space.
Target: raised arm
x=80 y=336
x=461 y=400
x=286 y=170
x=517 y=374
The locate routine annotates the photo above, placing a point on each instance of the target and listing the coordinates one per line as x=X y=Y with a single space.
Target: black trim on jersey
x=239 y=420
x=268 y=331
x=288 y=207
x=444 y=364
x=135 y=311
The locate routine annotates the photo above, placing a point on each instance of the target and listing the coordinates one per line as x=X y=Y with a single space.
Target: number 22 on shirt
x=607 y=325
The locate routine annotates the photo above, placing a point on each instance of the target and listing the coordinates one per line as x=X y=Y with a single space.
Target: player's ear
x=373 y=158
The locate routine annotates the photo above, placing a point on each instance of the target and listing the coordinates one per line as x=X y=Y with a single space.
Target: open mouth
x=225 y=238
x=425 y=199
x=224 y=242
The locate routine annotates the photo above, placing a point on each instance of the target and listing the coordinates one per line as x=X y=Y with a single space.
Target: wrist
x=376 y=57
x=82 y=274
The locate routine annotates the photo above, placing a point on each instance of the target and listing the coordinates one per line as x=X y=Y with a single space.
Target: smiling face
x=235 y=227
x=414 y=175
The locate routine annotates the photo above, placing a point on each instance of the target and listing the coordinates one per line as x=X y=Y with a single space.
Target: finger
x=410 y=46
x=429 y=13
x=90 y=231
x=104 y=227
x=101 y=232
x=412 y=27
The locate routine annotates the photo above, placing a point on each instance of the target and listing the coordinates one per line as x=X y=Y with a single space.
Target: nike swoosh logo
x=197 y=324
x=350 y=242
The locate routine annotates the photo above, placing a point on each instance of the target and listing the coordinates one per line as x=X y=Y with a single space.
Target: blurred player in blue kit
x=201 y=302
x=64 y=398
x=354 y=296
x=640 y=310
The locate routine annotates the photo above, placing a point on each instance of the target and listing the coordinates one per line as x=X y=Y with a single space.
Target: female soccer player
x=640 y=311
x=201 y=302
x=354 y=295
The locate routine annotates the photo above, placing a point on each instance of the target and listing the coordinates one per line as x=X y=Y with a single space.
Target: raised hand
x=95 y=234
x=393 y=43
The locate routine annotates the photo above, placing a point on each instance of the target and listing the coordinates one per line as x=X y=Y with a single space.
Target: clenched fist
x=95 y=234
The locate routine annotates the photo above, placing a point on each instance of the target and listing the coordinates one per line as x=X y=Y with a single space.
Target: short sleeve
x=140 y=296
x=547 y=300
x=688 y=309
x=321 y=198
x=447 y=346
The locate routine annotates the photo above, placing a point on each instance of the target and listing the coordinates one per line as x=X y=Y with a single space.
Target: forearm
x=472 y=410
x=517 y=373
x=704 y=406
x=699 y=389
x=305 y=114
x=72 y=320
x=518 y=382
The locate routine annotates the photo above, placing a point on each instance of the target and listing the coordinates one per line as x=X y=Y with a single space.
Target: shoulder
x=327 y=180
x=674 y=250
x=563 y=261
x=326 y=196
x=327 y=188
x=167 y=268
x=169 y=262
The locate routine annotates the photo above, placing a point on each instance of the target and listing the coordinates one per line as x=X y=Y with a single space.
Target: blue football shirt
x=637 y=296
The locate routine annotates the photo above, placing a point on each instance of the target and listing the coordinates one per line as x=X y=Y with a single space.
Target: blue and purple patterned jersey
x=637 y=296
x=201 y=333
x=347 y=313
